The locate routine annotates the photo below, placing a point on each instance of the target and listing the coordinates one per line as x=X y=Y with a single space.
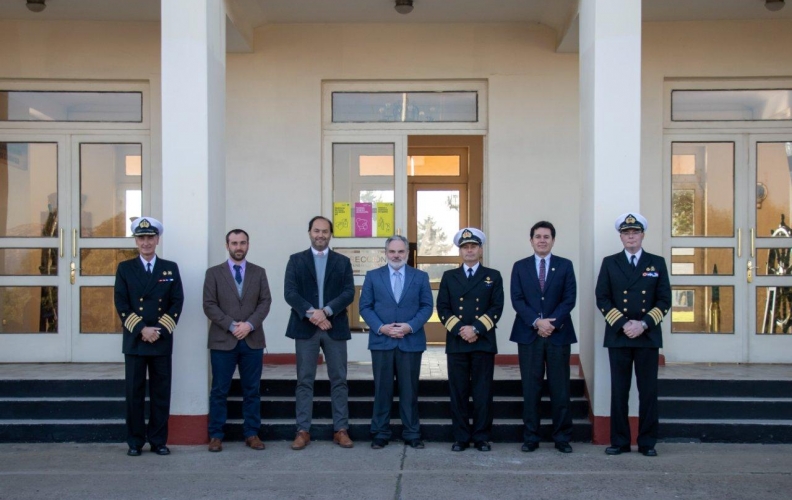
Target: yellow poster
x=384 y=220
x=342 y=220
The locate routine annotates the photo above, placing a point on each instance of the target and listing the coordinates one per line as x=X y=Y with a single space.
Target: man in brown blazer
x=236 y=299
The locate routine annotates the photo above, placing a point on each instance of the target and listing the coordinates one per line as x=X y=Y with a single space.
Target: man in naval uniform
x=469 y=303
x=149 y=299
x=634 y=294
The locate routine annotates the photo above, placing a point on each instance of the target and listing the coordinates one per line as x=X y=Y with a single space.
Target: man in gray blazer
x=319 y=287
x=236 y=299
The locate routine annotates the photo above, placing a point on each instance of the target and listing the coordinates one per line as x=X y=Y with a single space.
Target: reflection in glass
x=105 y=211
x=28 y=189
x=436 y=271
x=702 y=261
x=103 y=261
x=28 y=262
x=29 y=309
x=702 y=309
x=438 y=222
x=50 y=106
x=774 y=185
x=378 y=107
x=731 y=105
x=420 y=165
x=363 y=187
x=702 y=189
x=97 y=310
x=773 y=310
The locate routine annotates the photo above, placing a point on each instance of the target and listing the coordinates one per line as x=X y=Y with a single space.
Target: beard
x=396 y=265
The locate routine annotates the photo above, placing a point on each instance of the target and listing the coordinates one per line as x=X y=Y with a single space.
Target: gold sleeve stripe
x=132 y=321
x=613 y=316
x=486 y=321
x=451 y=323
x=657 y=315
x=168 y=322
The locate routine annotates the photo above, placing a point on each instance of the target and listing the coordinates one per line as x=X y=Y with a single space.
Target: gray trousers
x=406 y=367
x=335 y=353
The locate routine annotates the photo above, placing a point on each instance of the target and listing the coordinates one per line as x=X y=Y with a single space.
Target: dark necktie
x=148 y=267
x=542 y=274
x=470 y=272
x=632 y=261
x=238 y=274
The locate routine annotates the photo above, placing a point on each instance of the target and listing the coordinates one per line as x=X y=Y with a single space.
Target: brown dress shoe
x=301 y=440
x=341 y=438
x=215 y=445
x=254 y=442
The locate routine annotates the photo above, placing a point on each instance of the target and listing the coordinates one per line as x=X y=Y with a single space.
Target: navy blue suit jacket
x=378 y=307
x=556 y=301
x=301 y=291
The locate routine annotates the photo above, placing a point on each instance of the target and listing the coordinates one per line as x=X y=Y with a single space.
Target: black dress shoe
x=617 y=450
x=160 y=450
x=563 y=447
x=379 y=444
x=133 y=452
x=529 y=446
x=416 y=443
x=482 y=446
x=647 y=451
x=459 y=446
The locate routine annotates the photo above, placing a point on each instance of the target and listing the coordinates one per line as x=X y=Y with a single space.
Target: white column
x=610 y=138
x=193 y=188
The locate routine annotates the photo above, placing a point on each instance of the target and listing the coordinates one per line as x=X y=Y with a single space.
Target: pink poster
x=363 y=213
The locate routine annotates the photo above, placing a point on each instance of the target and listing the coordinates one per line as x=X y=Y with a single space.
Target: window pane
x=438 y=222
x=363 y=190
x=773 y=189
x=436 y=271
x=773 y=310
x=702 y=189
x=731 y=105
x=28 y=261
x=29 y=309
x=433 y=165
x=376 y=107
x=702 y=309
x=109 y=195
x=103 y=261
x=48 y=106
x=97 y=310
x=702 y=261
x=28 y=189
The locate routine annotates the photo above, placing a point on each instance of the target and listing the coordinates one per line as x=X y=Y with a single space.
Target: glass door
x=34 y=286
x=768 y=272
x=109 y=180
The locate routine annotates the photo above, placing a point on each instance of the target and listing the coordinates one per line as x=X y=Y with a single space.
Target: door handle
x=749 y=272
x=74 y=243
x=753 y=242
x=739 y=242
x=72 y=273
x=61 y=243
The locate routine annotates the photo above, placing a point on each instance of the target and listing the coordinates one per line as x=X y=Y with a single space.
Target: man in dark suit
x=470 y=302
x=396 y=302
x=634 y=294
x=148 y=297
x=319 y=287
x=236 y=299
x=543 y=292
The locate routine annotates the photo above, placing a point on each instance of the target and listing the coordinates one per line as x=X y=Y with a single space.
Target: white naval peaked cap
x=143 y=226
x=469 y=235
x=630 y=220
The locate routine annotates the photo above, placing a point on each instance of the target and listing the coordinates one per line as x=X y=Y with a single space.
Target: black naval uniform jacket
x=143 y=299
x=642 y=293
x=477 y=301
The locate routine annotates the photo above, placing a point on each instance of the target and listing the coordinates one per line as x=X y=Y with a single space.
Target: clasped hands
x=544 y=327
x=467 y=334
x=150 y=334
x=633 y=328
x=395 y=330
x=319 y=318
x=241 y=329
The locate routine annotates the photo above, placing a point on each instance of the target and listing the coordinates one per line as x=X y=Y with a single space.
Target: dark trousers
x=471 y=373
x=159 y=386
x=622 y=360
x=535 y=358
x=224 y=363
x=406 y=368
x=335 y=353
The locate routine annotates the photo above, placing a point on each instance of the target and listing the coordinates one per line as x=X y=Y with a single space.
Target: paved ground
x=325 y=471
